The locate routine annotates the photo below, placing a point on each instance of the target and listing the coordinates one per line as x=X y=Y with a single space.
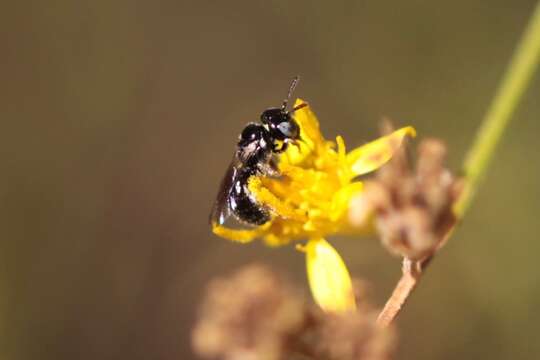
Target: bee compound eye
x=289 y=129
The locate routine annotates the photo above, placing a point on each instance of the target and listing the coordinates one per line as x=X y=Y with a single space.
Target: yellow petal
x=309 y=132
x=239 y=235
x=308 y=122
x=342 y=198
x=373 y=155
x=328 y=277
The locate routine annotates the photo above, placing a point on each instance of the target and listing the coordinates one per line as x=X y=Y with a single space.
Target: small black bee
x=257 y=145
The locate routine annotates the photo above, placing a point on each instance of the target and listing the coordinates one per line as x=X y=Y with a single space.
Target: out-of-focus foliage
x=119 y=119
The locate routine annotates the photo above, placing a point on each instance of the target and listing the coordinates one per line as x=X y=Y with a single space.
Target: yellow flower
x=311 y=201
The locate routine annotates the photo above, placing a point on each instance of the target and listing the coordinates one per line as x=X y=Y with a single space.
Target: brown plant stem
x=411 y=273
x=405 y=286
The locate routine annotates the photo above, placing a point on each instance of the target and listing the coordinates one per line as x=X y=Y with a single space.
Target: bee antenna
x=291 y=89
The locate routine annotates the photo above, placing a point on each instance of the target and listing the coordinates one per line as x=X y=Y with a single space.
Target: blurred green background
x=119 y=119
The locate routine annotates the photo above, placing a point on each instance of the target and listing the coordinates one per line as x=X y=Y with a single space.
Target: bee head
x=280 y=124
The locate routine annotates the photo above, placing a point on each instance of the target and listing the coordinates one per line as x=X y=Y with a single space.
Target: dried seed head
x=407 y=233
x=250 y=315
x=253 y=315
x=354 y=337
x=412 y=208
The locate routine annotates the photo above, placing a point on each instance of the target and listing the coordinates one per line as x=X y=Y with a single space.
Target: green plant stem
x=514 y=83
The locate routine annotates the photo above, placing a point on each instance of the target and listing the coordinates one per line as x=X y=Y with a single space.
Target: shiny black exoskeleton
x=254 y=156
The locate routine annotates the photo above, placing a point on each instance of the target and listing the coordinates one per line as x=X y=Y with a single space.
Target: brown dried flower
x=250 y=315
x=413 y=208
x=254 y=315
x=355 y=336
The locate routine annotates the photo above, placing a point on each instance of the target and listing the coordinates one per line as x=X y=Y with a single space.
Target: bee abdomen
x=244 y=205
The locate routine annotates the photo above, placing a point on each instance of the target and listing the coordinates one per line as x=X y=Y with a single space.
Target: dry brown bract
x=412 y=208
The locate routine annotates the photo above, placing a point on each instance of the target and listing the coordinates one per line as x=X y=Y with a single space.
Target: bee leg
x=280 y=146
x=239 y=236
x=267 y=198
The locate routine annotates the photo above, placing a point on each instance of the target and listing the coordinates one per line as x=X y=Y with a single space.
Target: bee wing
x=221 y=209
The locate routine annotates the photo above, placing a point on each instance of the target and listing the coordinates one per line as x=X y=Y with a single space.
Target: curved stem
x=514 y=83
